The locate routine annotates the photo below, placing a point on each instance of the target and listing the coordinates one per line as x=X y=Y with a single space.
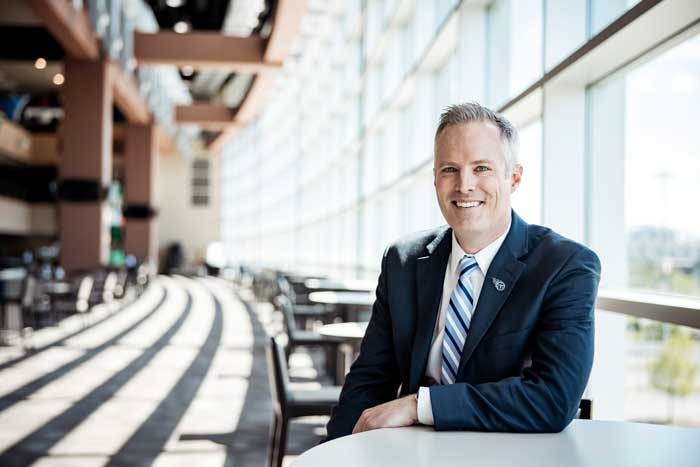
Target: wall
x=20 y=217
x=194 y=227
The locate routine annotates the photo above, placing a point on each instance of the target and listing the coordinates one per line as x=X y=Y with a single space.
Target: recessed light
x=187 y=70
x=58 y=79
x=174 y=3
x=181 y=27
x=40 y=63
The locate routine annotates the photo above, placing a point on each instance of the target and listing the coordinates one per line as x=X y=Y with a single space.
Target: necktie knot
x=467 y=265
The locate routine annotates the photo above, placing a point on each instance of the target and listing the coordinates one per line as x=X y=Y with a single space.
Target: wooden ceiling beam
x=286 y=26
x=202 y=50
x=127 y=97
x=208 y=116
x=70 y=27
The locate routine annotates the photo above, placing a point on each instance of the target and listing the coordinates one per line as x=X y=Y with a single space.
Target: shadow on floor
x=38 y=443
x=247 y=445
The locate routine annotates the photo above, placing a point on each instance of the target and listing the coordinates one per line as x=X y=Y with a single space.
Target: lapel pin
x=499 y=284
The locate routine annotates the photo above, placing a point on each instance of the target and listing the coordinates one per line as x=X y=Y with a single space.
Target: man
x=486 y=325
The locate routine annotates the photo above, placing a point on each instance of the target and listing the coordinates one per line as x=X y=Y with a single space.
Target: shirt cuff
x=425 y=409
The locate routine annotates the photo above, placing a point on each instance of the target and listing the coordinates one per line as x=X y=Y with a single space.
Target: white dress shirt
x=483 y=261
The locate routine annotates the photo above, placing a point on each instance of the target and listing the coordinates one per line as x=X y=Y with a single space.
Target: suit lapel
x=430 y=275
x=499 y=281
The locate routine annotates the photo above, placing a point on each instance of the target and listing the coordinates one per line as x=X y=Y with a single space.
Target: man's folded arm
x=545 y=396
x=374 y=377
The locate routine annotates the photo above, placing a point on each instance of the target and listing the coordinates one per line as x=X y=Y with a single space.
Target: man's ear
x=516 y=177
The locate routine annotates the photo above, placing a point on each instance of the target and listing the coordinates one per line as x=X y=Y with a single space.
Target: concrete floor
x=177 y=377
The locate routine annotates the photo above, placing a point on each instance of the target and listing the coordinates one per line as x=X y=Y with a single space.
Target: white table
x=584 y=443
x=361 y=299
x=352 y=332
x=351 y=285
x=353 y=305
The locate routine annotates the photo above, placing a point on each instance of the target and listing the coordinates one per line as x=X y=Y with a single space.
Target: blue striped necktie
x=459 y=315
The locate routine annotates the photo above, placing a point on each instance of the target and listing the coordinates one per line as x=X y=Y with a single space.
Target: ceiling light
x=181 y=27
x=174 y=3
x=187 y=70
x=40 y=63
x=58 y=79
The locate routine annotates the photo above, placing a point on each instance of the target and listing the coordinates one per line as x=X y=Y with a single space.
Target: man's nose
x=467 y=180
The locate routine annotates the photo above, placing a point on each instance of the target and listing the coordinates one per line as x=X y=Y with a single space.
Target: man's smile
x=467 y=204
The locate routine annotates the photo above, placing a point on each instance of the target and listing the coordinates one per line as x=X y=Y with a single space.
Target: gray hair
x=474 y=112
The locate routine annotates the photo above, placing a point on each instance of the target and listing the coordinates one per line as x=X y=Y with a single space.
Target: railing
x=683 y=311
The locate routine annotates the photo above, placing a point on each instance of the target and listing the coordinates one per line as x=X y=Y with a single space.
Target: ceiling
x=23 y=39
x=27 y=93
x=200 y=14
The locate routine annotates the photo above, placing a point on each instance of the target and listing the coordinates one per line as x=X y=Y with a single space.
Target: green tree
x=673 y=372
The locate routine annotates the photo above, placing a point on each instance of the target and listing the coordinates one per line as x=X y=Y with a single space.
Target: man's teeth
x=469 y=204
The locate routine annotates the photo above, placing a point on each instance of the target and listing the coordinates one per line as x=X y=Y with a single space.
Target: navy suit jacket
x=529 y=350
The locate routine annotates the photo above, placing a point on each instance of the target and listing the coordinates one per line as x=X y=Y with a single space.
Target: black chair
x=75 y=300
x=121 y=284
x=18 y=297
x=109 y=287
x=584 y=409
x=300 y=337
x=291 y=403
x=305 y=312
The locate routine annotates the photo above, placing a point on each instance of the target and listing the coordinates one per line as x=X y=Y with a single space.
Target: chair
x=18 y=300
x=109 y=286
x=584 y=409
x=73 y=301
x=27 y=308
x=289 y=403
x=121 y=284
x=300 y=337
x=305 y=312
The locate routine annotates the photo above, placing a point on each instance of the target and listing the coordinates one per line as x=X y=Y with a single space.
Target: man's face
x=472 y=184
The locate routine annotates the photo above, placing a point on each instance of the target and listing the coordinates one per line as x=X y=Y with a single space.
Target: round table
x=351 y=285
x=57 y=288
x=352 y=332
x=352 y=305
x=584 y=443
x=331 y=297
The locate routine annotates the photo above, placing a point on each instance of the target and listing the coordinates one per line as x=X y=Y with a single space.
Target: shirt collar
x=483 y=257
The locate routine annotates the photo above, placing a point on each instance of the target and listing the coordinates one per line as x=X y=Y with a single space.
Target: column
x=139 y=194
x=85 y=168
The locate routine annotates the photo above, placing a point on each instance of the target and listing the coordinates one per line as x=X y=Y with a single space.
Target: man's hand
x=396 y=413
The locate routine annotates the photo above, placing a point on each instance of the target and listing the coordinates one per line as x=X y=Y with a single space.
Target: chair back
x=120 y=286
x=278 y=375
x=284 y=304
x=108 y=288
x=284 y=287
x=585 y=409
x=28 y=292
x=82 y=298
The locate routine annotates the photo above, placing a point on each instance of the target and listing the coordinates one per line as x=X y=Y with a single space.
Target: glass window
x=662 y=373
x=200 y=182
x=604 y=12
x=566 y=25
x=527 y=199
x=645 y=167
x=514 y=48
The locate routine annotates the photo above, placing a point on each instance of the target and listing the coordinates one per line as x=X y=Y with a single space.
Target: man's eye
x=449 y=170
x=482 y=168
